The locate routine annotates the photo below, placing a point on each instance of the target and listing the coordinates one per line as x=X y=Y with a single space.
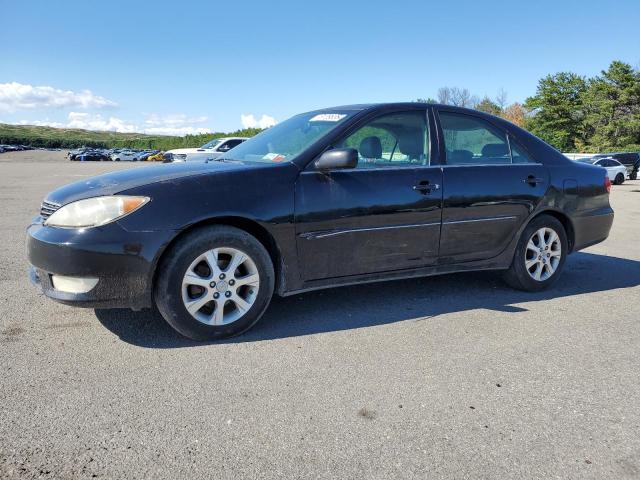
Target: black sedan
x=328 y=198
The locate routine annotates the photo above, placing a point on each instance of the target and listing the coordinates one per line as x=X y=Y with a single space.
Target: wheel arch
x=564 y=219
x=250 y=226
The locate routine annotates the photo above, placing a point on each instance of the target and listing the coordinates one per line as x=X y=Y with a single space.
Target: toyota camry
x=328 y=198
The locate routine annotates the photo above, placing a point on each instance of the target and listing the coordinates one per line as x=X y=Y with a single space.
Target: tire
x=619 y=180
x=117 y=160
x=221 y=316
x=522 y=278
x=634 y=175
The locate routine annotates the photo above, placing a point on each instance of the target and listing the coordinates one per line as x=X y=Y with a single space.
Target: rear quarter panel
x=583 y=197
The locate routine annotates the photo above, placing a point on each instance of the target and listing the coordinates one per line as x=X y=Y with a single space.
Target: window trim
x=507 y=134
x=510 y=137
x=432 y=135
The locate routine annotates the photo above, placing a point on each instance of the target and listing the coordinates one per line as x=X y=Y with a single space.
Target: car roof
x=411 y=105
x=369 y=106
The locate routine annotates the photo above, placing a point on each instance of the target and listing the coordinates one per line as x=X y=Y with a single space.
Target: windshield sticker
x=328 y=117
x=274 y=157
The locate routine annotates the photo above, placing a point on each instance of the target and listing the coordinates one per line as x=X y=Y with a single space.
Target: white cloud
x=97 y=122
x=17 y=96
x=249 y=121
x=41 y=123
x=176 y=124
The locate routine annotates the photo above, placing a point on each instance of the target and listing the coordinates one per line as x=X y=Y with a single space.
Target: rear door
x=491 y=185
x=383 y=215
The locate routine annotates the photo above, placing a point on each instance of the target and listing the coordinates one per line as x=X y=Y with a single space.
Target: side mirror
x=337 y=158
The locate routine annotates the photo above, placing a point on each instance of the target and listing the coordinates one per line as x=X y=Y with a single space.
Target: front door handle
x=533 y=180
x=425 y=187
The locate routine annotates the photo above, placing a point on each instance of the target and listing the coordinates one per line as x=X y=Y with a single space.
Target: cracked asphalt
x=445 y=377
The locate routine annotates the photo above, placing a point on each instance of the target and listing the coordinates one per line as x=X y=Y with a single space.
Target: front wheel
x=215 y=283
x=539 y=256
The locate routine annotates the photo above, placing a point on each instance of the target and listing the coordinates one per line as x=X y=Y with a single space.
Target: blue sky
x=187 y=66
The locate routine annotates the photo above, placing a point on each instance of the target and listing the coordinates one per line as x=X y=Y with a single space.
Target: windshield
x=288 y=139
x=588 y=160
x=212 y=143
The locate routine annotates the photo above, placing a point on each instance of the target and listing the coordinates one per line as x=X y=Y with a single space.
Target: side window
x=226 y=146
x=392 y=140
x=472 y=141
x=517 y=153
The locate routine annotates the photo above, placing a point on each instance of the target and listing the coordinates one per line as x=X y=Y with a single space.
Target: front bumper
x=123 y=261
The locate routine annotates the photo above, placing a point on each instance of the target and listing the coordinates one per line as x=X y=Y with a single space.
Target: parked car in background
x=144 y=154
x=124 y=155
x=74 y=155
x=357 y=194
x=209 y=151
x=615 y=170
x=631 y=160
x=14 y=148
x=93 y=156
x=156 y=157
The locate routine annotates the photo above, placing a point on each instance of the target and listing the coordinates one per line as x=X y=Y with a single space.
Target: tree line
x=49 y=137
x=569 y=111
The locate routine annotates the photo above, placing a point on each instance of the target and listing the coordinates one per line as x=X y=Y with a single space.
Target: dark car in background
x=328 y=198
x=631 y=160
x=93 y=156
x=73 y=154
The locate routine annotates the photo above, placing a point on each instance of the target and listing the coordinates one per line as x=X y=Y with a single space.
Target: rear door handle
x=533 y=180
x=425 y=187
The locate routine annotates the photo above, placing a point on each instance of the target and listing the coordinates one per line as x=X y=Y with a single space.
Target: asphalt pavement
x=455 y=376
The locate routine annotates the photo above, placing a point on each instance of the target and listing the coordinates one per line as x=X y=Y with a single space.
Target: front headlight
x=93 y=212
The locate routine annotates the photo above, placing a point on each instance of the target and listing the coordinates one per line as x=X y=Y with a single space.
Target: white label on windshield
x=328 y=117
x=274 y=157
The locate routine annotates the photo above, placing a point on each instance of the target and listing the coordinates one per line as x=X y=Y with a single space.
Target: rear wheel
x=540 y=255
x=619 y=180
x=215 y=283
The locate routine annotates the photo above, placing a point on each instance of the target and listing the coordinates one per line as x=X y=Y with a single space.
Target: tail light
x=607 y=183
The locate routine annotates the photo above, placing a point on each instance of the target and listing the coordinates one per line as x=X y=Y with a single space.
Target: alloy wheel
x=220 y=286
x=543 y=254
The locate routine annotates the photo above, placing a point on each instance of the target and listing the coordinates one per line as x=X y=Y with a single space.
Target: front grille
x=47 y=209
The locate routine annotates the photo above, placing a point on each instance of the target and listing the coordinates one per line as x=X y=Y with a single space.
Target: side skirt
x=398 y=275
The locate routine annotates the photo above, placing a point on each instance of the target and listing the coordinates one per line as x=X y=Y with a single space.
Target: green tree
x=612 y=101
x=558 y=110
x=489 y=106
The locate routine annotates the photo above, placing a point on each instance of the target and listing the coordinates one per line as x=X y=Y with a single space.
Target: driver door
x=383 y=215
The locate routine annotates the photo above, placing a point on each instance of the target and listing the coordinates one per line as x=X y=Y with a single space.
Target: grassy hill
x=50 y=137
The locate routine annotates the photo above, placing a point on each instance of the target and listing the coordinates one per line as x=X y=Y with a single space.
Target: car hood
x=191 y=150
x=112 y=183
